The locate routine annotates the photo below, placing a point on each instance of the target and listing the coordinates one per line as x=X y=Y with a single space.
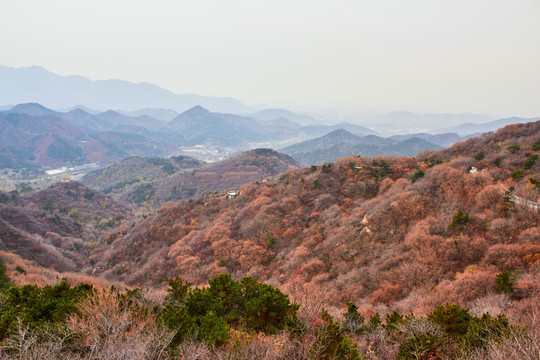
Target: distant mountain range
x=402 y=122
x=33 y=136
x=36 y=84
x=198 y=125
x=160 y=114
x=468 y=129
x=272 y=114
x=341 y=143
x=444 y=140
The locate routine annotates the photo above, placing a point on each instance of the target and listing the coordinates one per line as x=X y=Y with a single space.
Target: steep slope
x=57 y=227
x=135 y=180
x=341 y=143
x=392 y=231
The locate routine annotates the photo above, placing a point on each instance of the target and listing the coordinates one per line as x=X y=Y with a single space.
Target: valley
x=278 y=180
x=384 y=233
x=36 y=140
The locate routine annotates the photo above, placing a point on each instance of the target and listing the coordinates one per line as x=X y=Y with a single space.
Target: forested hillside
x=381 y=258
x=150 y=182
x=135 y=179
x=395 y=232
x=57 y=227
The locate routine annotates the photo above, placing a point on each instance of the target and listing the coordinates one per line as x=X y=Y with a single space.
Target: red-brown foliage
x=369 y=235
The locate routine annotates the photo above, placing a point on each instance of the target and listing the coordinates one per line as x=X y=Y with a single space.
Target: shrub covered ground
x=231 y=319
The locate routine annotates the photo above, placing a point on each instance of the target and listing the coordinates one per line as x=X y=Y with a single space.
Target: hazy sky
x=420 y=55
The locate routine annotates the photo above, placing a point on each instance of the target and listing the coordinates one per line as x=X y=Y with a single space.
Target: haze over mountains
x=51 y=139
x=35 y=136
x=35 y=84
x=281 y=180
x=467 y=129
x=65 y=93
x=407 y=122
x=341 y=143
x=153 y=122
x=444 y=139
x=387 y=233
x=272 y=114
x=372 y=224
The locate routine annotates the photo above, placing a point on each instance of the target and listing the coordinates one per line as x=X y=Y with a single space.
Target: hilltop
x=198 y=125
x=152 y=181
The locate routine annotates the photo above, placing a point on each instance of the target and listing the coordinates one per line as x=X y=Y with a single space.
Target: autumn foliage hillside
x=384 y=233
x=135 y=179
x=150 y=182
x=57 y=227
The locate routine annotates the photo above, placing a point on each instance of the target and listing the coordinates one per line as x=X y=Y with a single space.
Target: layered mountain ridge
x=150 y=182
x=408 y=232
x=36 y=84
x=341 y=143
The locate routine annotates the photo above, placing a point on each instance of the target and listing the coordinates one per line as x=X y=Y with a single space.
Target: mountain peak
x=197 y=109
x=62 y=92
x=110 y=113
x=196 y=112
x=339 y=132
x=341 y=135
x=33 y=109
x=79 y=112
